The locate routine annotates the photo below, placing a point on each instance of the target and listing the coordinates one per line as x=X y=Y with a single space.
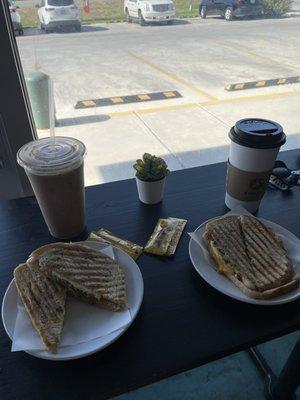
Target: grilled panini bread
x=44 y=301
x=36 y=254
x=251 y=256
x=86 y=273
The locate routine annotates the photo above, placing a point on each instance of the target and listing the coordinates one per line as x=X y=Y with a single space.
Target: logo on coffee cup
x=257 y=184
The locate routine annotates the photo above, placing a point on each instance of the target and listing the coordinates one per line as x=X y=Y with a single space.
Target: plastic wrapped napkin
x=83 y=322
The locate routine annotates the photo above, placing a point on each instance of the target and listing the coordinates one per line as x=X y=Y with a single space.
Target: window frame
x=16 y=120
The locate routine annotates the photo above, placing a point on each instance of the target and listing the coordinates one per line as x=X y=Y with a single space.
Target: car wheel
x=47 y=30
x=21 y=32
x=228 y=15
x=128 y=19
x=203 y=12
x=141 y=19
x=42 y=26
x=170 y=22
x=78 y=27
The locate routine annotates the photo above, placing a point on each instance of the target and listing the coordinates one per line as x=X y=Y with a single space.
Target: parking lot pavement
x=198 y=58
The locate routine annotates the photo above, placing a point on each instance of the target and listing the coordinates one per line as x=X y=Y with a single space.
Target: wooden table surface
x=182 y=323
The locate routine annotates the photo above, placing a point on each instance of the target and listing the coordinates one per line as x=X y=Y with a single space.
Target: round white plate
x=207 y=268
x=134 y=293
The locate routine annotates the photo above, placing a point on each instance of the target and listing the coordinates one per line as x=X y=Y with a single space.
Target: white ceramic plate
x=207 y=269
x=135 y=292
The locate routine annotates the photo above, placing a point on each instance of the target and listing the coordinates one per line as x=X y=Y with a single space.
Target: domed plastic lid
x=257 y=133
x=51 y=156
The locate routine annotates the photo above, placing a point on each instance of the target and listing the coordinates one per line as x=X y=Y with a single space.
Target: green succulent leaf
x=147 y=157
x=151 y=168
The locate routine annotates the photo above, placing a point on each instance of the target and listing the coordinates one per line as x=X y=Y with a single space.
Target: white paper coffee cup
x=255 y=144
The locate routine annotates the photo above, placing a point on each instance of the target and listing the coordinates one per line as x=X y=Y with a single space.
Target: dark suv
x=230 y=8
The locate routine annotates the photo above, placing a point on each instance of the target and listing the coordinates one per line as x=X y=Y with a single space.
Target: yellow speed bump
x=260 y=83
x=144 y=97
x=132 y=98
x=88 y=103
x=117 y=100
x=169 y=94
x=263 y=83
x=281 y=81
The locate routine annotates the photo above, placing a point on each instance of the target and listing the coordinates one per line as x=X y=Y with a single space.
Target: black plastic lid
x=257 y=133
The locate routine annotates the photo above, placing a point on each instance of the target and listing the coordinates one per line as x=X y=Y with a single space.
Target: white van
x=149 y=11
x=58 y=13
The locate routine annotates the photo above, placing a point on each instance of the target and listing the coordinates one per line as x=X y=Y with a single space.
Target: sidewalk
x=116 y=139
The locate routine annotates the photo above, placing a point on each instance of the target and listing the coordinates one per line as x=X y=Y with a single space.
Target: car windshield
x=58 y=3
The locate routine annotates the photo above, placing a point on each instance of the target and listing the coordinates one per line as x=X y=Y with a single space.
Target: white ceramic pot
x=150 y=192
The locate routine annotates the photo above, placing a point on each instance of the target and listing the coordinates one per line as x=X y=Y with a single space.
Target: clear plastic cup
x=55 y=167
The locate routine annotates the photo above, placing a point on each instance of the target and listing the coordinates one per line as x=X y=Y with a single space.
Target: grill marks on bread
x=88 y=274
x=250 y=254
x=44 y=301
x=266 y=253
x=224 y=235
x=52 y=270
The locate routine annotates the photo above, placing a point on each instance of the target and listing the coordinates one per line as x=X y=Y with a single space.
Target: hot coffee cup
x=254 y=146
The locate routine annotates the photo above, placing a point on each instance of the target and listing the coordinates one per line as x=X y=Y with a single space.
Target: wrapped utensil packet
x=105 y=236
x=165 y=237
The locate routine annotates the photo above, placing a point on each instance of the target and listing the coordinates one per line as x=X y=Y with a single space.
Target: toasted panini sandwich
x=36 y=254
x=86 y=273
x=44 y=300
x=251 y=256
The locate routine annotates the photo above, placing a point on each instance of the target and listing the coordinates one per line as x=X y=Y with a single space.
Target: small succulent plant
x=151 y=168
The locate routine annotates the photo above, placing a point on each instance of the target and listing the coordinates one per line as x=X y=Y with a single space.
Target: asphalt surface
x=198 y=58
x=123 y=59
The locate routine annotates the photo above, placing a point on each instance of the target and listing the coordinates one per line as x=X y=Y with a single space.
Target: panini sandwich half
x=88 y=274
x=251 y=256
x=44 y=301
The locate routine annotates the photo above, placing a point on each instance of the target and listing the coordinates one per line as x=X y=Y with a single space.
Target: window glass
x=132 y=77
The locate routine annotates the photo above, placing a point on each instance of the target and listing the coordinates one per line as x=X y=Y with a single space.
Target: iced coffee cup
x=54 y=167
x=254 y=146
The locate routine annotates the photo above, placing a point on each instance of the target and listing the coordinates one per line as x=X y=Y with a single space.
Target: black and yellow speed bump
x=263 y=83
x=136 y=98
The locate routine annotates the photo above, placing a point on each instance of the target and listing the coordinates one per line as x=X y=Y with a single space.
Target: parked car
x=229 y=9
x=149 y=11
x=15 y=17
x=55 y=14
